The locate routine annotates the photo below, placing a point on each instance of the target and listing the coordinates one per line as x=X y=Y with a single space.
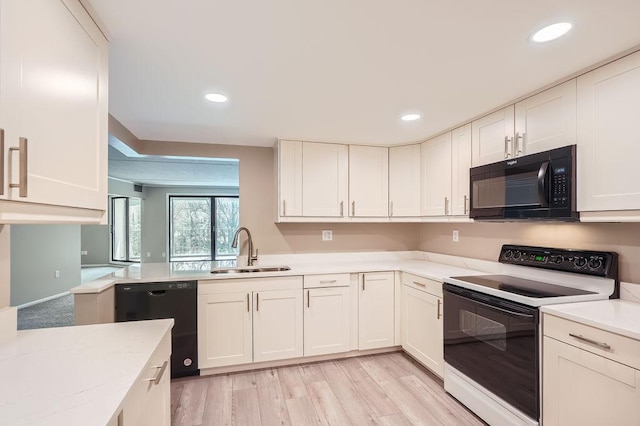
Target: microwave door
x=526 y=186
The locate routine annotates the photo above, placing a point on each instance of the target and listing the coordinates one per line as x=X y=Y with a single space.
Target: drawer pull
x=159 y=373
x=419 y=283
x=22 y=182
x=308 y=299
x=593 y=342
x=439 y=303
x=328 y=281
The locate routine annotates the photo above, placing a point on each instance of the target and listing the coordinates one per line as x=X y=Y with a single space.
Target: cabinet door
x=368 y=181
x=376 y=310
x=326 y=321
x=324 y=179
x=404 y=181
x=608 y=143
x=54 y=82
x=224 y=329
x=277 y=325
x=290 y=178
x=436 y=175
x=581 y=388
x=547 y=120
x=460 y=165
x=422 y=328
x=492 y=137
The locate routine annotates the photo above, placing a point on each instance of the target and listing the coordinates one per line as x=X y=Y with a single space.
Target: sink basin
x=248 y=269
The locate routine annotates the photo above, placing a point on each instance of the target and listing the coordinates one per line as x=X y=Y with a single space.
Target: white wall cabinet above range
x=446 y=160
x=53 y=110
x=608 y=142
x=404 y=181
x=539 y=123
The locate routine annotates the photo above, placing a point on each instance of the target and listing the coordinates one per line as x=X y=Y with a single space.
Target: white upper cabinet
x=325 y=179
x=546 y=121
x=404 y=181
x=436 y=175
x=53 y=109
x=608 y=142
x=368 y=181
x=460 y=165
x=289 y=178
x=492 y=137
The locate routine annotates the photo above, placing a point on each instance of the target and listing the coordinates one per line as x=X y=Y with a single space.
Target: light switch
x=456 y=236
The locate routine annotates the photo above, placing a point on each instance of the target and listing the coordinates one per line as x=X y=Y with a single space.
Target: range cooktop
x=522 y=286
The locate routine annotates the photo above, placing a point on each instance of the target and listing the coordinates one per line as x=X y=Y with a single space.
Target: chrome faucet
x=250 y=257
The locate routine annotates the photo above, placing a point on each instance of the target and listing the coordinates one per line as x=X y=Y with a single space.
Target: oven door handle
x=542 y=179
x=508 y=312
x=484 y=303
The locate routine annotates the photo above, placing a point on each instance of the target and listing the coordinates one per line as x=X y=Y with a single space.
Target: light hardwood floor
x=388 y=389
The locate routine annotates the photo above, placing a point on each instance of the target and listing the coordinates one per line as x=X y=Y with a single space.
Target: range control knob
x=595 y=263
x=580 y=262
x=558 y=260
x=517 y=255
x=508 y=254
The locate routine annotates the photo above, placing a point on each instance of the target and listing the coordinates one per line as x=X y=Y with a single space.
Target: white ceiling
x=340 y=71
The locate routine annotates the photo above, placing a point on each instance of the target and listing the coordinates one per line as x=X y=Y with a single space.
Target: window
x=125 y=229
x=202 y=227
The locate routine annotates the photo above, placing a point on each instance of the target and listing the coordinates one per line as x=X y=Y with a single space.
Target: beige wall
x=257 y=197
x=483 y=240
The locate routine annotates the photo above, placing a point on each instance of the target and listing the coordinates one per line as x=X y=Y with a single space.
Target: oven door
x=494 y=342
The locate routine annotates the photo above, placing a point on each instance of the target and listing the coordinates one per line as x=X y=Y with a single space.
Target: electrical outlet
x=57 y=274
x=164 y=254
x=148 y=254
x=456 y=236
x=327 y=235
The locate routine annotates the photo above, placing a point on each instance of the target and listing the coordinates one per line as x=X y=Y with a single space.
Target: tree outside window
x=202 y=227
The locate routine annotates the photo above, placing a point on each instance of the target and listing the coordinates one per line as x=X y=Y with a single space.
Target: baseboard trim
x=46 y=299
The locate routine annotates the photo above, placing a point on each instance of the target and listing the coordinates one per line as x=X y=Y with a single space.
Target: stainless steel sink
x=248 y=269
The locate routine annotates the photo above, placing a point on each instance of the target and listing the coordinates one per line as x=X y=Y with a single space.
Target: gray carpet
x=58 y=312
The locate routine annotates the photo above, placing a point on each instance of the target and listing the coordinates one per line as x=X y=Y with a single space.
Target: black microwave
x=539 y=186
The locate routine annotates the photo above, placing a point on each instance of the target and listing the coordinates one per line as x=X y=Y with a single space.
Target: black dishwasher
x=177 y=300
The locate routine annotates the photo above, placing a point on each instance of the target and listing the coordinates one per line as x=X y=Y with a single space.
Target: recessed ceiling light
x=551 y=32
x=215 y=97
x=410 y=117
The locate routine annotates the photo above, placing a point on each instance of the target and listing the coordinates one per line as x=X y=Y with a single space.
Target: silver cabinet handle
x=156 y=379
x=446 y=206
x=438 y=314
x=22 y=183
x=284 y=207
x=518 y=146
x=342 y=208
x=353 y=208
x=308 y=298
x=593 y=342
x=328 y=281
x=248 y=308
x=466 y=210
x=391 y=208
x=1 y=161
x=507 y=140
x=419 y=283
x=257 y=302
x=363 y=283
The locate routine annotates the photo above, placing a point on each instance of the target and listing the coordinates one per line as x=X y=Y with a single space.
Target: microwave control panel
x=560 y=184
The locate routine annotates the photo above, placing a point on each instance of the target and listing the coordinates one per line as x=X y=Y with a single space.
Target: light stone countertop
x=74 y=375
x=300 y=265
x=616 y=316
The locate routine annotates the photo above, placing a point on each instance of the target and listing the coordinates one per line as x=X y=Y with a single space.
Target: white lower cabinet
x=376 y=310
x=422 y=321
x=148 y=401
x=327 y=324
x=584 y=383
x=260 y=321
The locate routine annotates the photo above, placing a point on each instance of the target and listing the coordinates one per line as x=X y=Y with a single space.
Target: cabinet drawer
x=621 y=349
x=423 y=284
x=133 y=412
x=326 y=280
